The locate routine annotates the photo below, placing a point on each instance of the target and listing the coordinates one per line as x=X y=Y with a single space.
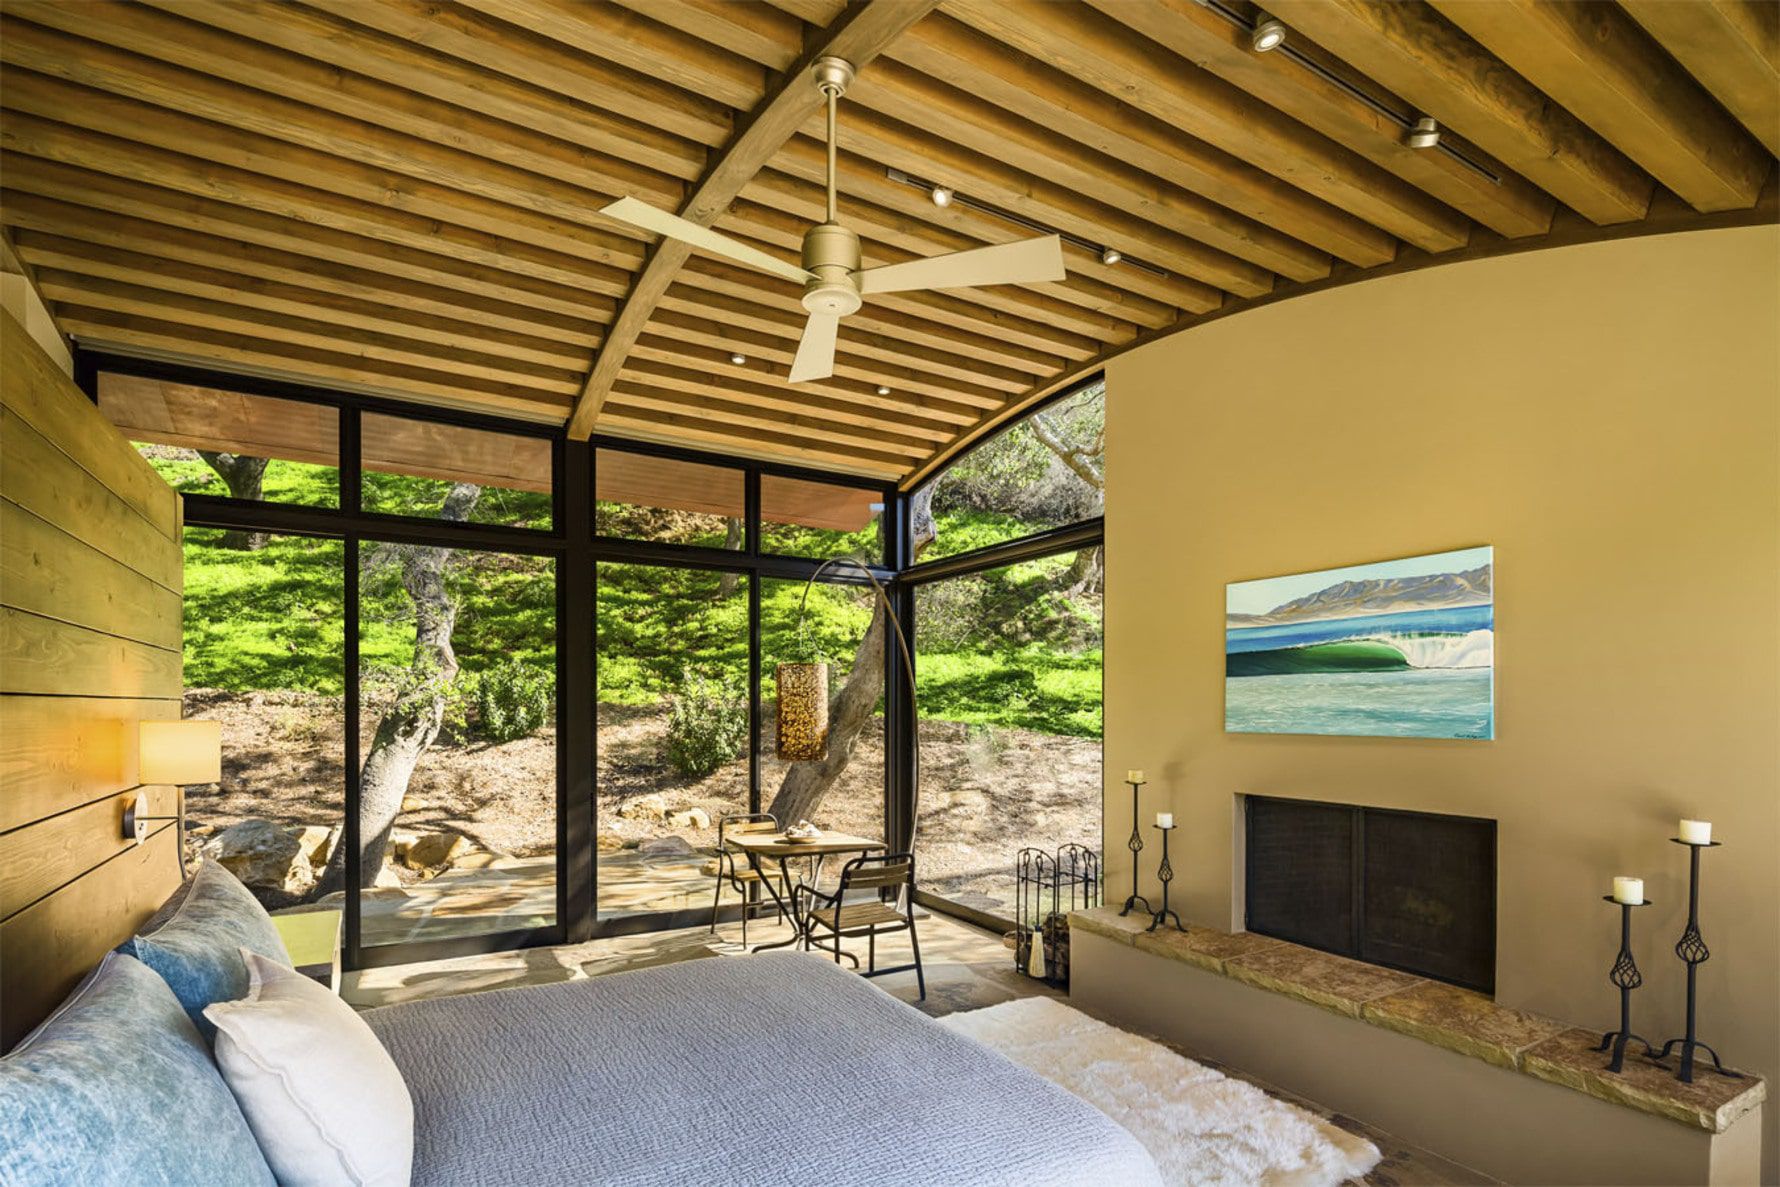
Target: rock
x=387 y=878
x=669 y=846
x=610 y=842
x=411 y=803
x=317 y=842
x=691 y=818
x=436 y=850
x=263 y=855
x=644 y=807
x=479 y=859
x=399 y=841
x=200 y=830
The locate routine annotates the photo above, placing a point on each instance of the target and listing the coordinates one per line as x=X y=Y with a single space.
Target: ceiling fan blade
x=815 y=350
x=641 y=214
x=1025 y=262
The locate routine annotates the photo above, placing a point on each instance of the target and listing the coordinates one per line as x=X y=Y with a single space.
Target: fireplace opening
x=1414 y=891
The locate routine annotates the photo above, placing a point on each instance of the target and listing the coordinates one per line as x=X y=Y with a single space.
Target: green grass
x=1001 y=649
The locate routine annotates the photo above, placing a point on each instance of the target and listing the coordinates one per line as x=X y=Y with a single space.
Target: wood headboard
x=90 y=644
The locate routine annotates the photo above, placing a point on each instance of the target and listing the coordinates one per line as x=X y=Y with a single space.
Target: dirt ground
x=985 y=792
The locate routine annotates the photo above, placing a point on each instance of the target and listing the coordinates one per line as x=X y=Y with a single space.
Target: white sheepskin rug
x=1203 y=1128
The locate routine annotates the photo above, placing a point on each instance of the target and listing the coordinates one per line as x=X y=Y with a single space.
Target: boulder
x=644 y=807
x=609 y=842
x=317 y=842
x=691 y=818
x=436 y=850
x=263 y=855
x=669 y=846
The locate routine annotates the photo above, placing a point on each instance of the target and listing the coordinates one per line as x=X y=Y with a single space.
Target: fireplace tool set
x=1692 y=950
x=1047 y=887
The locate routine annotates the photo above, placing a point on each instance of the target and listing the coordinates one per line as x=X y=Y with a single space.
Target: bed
x=778 y=1068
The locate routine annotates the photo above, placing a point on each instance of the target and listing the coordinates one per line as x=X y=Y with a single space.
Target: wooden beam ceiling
x=402 y=197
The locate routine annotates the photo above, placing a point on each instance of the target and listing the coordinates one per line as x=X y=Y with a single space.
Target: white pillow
x=325 y=1100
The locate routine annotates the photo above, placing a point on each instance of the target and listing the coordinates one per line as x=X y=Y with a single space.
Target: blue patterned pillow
x=117 y=1088
x=194 y=941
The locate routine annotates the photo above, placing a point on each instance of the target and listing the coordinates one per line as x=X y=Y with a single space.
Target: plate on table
x=802 y=839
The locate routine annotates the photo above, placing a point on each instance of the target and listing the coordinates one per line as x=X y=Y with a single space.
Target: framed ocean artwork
x=1402 y=648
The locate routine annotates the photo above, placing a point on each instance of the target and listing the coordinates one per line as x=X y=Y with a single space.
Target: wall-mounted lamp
x=175 y=752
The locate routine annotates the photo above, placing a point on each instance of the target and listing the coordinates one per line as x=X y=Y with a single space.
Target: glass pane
x=845 y=792
x=1044 y=472
x=457 y=734
x=263 y=634
x=673 y=731
x=205 y=441
x=1009 y=698
x=820 y=519
x=411 y=467
x=638 y=497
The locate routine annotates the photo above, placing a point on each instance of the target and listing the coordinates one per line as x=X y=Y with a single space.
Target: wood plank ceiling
x=402 y=196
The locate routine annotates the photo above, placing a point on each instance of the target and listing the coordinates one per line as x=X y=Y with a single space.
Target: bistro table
x=776 y=848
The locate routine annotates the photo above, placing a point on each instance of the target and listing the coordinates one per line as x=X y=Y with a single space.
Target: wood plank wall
x=90 y=644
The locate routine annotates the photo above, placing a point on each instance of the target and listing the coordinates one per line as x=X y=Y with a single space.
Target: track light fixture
x=941 y=195
x=1268 y=34
x=1424 y=134
x=1110 y=256
x=737 y=357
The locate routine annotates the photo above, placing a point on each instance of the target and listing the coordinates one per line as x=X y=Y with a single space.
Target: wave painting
x=1402 y=648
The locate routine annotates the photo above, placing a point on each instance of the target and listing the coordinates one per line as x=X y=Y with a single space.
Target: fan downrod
x=831 y=251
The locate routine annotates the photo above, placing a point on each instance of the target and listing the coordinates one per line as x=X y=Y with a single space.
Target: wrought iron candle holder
x=1692 y=949
x=1624 y=974
x=1135 y=844
x=1165 y=875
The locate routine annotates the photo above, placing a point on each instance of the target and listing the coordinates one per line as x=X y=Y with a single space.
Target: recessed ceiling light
x=942 y=195
x=1110 y=256
x=1425 y=134
x=737 y=357
x=1269 y=34
x=883 y=390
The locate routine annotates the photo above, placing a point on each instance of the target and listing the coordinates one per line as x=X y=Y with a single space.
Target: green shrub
x=707 y=725
x=514 y=700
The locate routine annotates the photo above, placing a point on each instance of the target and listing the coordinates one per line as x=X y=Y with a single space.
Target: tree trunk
x=1087 y=572
x=732 y=539
x=412 y=724
x=805 y=784
x=243 y=476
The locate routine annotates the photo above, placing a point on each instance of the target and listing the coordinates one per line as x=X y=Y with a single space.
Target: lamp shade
x=802 y=712
x=180 y=752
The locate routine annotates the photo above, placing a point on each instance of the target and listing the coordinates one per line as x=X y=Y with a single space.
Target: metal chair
x=892 y=876
x=742 y=875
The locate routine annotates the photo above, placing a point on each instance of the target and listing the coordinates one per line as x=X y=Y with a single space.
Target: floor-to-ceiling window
x=1007 y=598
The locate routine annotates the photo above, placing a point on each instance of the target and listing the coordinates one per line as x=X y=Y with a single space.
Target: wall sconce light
x=175 y=752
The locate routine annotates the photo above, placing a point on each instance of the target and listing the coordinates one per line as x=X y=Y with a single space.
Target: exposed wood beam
x=1732 y=47
x=1419 y=55
x=859 y=35
x=1507 y=205
x=1110 y=50
x=631 y=392
x=648 y=424
x=951 y=51
x=171 y=339
x=1604 y=69
x=768 y=391
x=750 y=28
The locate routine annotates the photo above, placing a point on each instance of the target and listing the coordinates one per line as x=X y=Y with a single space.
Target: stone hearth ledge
x=1459 y=1020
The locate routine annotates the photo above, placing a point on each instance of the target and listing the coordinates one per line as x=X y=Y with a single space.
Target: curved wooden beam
x=861 y=32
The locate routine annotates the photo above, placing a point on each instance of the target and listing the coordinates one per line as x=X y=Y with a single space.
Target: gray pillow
x=117 y=1088
x=194 y=941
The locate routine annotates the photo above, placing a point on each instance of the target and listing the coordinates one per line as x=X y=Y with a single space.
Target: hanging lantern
x=803 y=711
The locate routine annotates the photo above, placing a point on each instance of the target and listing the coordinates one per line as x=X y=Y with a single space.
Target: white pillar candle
x=1165 y=820
x=1628 y=890
x=1134 y=776
x=1696 y=832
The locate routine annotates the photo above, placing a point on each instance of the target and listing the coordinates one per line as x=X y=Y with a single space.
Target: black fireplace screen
x=1410 y=890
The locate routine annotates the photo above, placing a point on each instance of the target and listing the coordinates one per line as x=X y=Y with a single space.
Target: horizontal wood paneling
x=47 y=948
x=59 y=752
x=43 y=856
x=90 y=644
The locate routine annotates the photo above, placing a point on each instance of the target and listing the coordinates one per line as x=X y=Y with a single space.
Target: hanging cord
x=908 y=667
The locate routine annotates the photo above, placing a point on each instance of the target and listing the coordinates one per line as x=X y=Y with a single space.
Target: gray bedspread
x=777 y=1068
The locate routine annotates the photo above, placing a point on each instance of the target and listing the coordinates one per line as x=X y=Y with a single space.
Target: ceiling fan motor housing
x=831 y=254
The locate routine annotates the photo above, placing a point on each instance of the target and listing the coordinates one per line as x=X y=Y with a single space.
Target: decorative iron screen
x=1409 y=890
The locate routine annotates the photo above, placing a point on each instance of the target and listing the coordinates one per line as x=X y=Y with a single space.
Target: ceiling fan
x=834 y=284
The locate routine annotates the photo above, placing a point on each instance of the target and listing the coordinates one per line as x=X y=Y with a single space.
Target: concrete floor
x=966 y=969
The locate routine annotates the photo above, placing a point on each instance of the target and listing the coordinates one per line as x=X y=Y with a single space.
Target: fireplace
x=1409 y=890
